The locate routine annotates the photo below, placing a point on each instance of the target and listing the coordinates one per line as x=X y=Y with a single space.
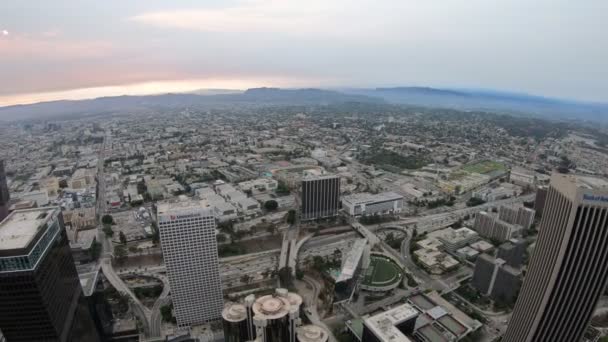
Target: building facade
x=373 y=204
x=189 y=245
x=4 y=194
x=569 y=267
x=40 y=293
x=320 y=197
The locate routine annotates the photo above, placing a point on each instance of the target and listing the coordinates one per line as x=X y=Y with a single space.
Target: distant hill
x=485 y=100
x=488 y=100
x=118 y=104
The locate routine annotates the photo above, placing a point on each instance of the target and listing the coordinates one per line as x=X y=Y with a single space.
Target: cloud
x=22 y=47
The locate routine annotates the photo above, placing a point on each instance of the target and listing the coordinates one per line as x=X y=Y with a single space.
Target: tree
x=245 y=279
x=474 y=201
x=95 y=250
x=107 y=219
x=133 y=249
x=272 y=229
x=291 y=216
x=221 y=238
x=108 y=231
x=155 y=235
x=318 y=263
x=285 y=277
x=141 y=188
x=271 y=205
x=282 y=188
x=120 y=253
x=122 y=237
x=166 y=311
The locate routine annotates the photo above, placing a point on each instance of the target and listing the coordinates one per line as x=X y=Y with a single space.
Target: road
x=105 y=260
x=311 y=307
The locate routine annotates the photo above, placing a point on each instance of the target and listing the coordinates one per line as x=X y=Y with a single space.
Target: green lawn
x=381 y=271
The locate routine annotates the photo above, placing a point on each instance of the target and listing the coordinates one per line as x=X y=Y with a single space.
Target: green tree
x=120 y=253
x=122 y=237
x=291 y=216
x=166 y=311
x=245 y=279
x=108 y=231
x=95 y=250
x=271 y=205
x=107 y=219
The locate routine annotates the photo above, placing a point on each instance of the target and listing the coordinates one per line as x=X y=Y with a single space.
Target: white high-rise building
x=189 y=245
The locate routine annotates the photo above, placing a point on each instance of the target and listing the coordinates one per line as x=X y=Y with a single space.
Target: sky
x=74 y=49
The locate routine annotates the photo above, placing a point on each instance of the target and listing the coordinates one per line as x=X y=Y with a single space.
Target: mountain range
x=486 y=100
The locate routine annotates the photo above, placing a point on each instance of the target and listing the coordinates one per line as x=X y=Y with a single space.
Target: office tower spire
x=569 y=266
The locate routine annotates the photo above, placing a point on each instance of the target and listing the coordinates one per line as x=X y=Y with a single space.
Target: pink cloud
x=50 y=47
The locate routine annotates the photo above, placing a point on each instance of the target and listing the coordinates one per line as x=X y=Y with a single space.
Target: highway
x=105 y=261
x=311 y=307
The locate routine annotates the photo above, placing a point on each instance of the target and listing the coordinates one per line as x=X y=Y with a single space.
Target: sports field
x=381 y=272
x=484 y=167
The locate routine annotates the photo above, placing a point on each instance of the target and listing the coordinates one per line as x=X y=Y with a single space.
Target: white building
x=370 y=204
x=187 y=235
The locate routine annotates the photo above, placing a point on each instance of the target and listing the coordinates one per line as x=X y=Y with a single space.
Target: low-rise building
x=372 y=204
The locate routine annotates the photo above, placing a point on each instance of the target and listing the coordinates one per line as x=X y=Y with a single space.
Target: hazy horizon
x=73 y=50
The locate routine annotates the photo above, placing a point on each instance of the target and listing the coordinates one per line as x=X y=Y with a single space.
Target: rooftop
x=181 y=205
x=20 y=227
x=369 y=198
x=383 y=324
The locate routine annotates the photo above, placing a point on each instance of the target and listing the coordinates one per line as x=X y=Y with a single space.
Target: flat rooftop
x=591 y=182
x=383 y=324
x=181 y=204
x=20 y=227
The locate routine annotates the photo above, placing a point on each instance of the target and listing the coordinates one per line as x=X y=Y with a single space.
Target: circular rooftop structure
x=383 y=274
x=234 y=312
x=311 y=333
x=295 y=300
x=271 y=307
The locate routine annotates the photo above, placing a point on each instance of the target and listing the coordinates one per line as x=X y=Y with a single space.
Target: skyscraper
x=40 y=292
x=4 y=194
x=187 y=236
x=320 y=197
x=569 y=266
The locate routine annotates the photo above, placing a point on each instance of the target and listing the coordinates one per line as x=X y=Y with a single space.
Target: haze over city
x=303 y=171
x=73 y=50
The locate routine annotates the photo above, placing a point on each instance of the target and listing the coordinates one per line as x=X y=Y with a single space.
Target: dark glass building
x=40 y=293
x=320 y=197
x=569 y=265
x=4 y=194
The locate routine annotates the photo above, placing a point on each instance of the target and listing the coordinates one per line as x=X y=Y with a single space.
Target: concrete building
x=541 y=197
x=40 y=293
x=276 y=316
x=187 y=235
x=311 y=333
x=517 y=215
x=569 y=267
x=513 y=252
x=495 y=279
x=370 y=204
x=234 y=319
x=4 y=194
x=522 y=177
x=454 y=239
x=320 y=197
x=391 y=325
x=491 y=227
